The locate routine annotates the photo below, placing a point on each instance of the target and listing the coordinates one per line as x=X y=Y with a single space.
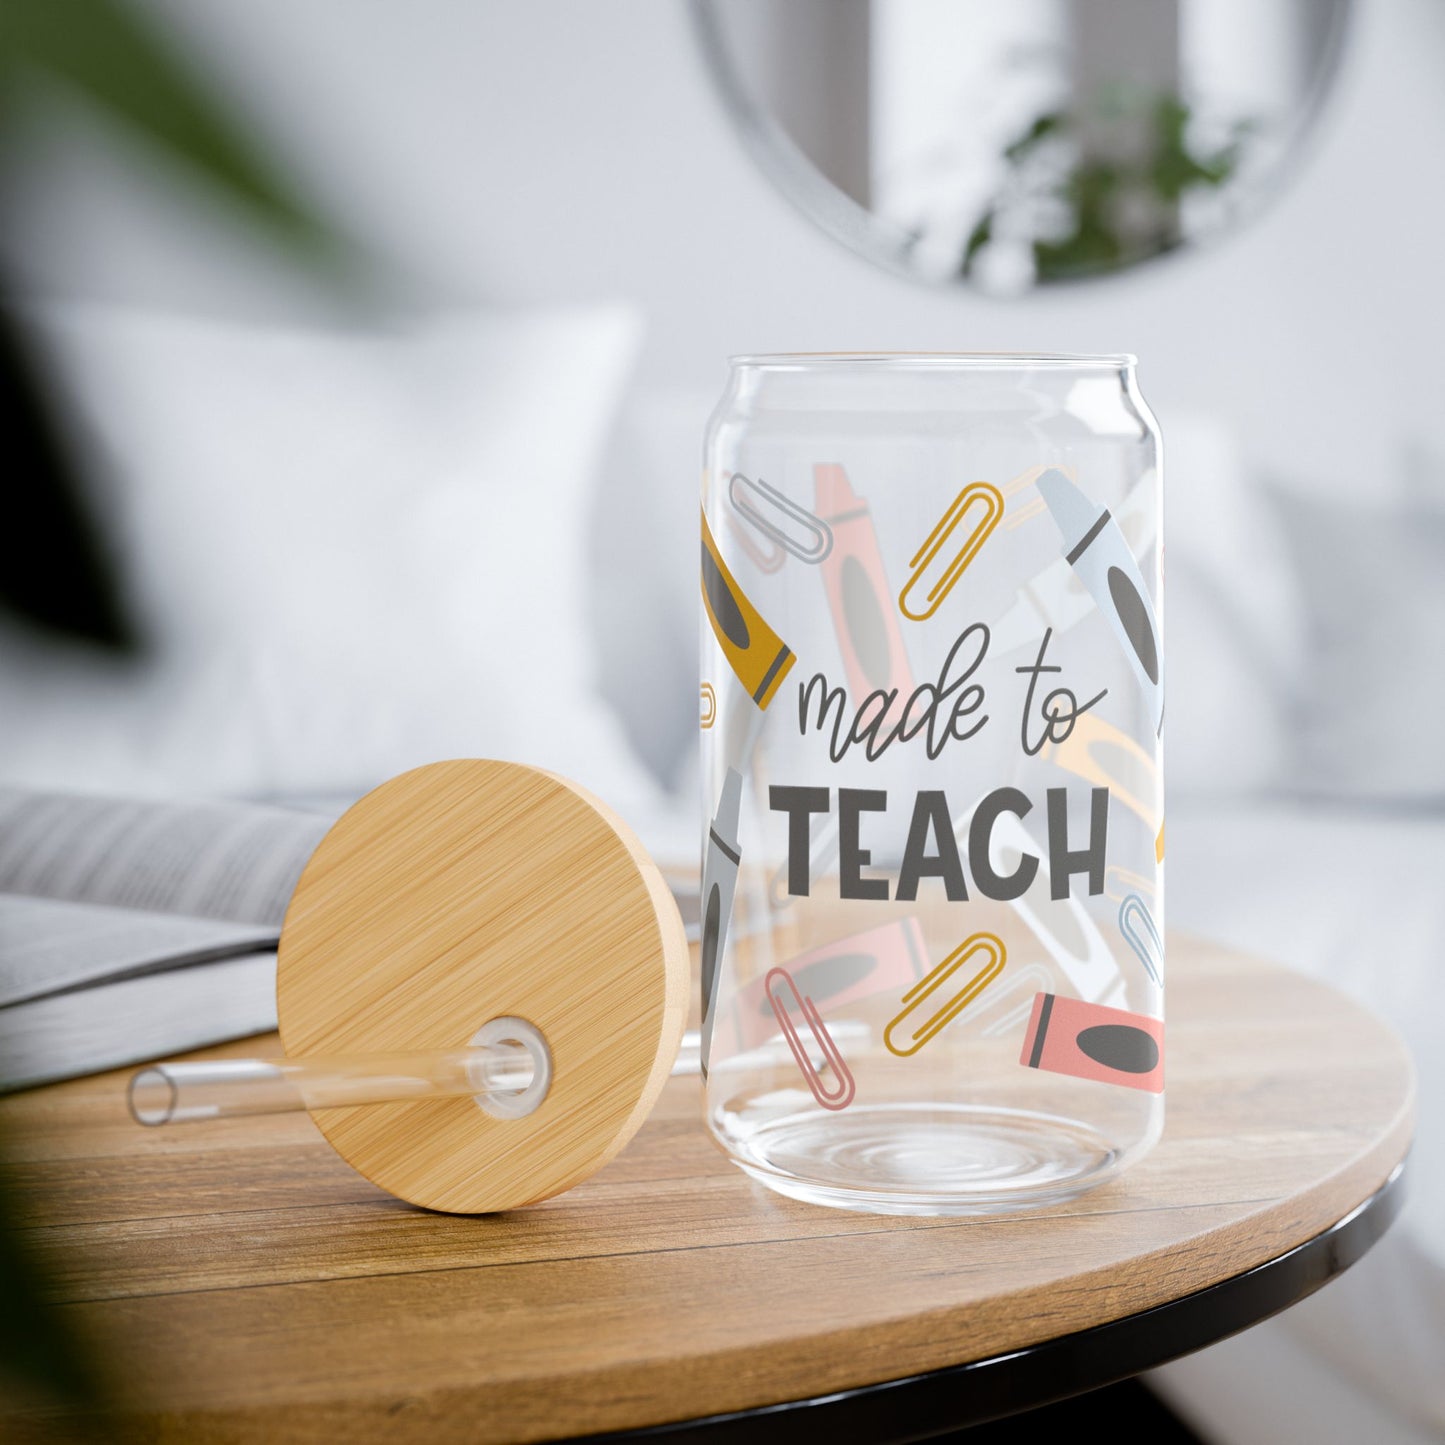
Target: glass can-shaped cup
x=932 y=705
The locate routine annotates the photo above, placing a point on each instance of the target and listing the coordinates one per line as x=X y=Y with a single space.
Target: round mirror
x=1007 y=146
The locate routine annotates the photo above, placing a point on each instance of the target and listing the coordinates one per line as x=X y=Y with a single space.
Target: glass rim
x=936 y=360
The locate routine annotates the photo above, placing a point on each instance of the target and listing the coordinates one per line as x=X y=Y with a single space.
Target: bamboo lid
x=462 y=892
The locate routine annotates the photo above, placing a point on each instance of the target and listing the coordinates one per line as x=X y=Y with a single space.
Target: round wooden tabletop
x=244 y=1284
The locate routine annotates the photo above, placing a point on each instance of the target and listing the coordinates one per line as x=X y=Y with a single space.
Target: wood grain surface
x=246 y=1285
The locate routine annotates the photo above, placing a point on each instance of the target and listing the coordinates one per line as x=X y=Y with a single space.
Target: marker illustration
x=719 y=881
x=1054 y=598
x=1099 y=554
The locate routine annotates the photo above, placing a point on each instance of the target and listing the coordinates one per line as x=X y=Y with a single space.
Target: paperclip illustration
x=911 y=1039
x=754 y=651
x=1141 y=933
x=1054 y=597
x=1089 y=1041
x=865 y=620
x=763 y=505
x=719 y=881
x=1065 y=928
x=1106 y=566
x=1119 y=883
x=976 y=492
x=708 y=697
x=1084 y=753
x=848 y=970
x=840 y=1094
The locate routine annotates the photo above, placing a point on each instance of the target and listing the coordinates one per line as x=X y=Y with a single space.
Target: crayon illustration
x=864 y=617
x=848 y=970
x=1141 y=933
x=784 y=996
x=1055 y=598
x=788 y=526
x=979 y=497
x=719 y=880
x=754 y=651
x=908 y=1032
x=1099 y=554
x=1089 y=1041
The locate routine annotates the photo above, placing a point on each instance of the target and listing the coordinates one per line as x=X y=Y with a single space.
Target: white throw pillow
x=352 y=552
x=1233 y=626
x=1373 y=578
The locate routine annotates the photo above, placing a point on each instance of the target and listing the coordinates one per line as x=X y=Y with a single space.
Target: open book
x=130 y=929
x=134 y=929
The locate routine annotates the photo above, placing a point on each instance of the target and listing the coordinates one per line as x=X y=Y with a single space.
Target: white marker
x=719 y=880
x=1106 y=566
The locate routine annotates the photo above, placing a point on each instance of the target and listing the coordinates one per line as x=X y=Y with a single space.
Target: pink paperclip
x=841 y=1094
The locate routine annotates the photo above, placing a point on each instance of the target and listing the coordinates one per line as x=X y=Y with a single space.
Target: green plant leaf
x=120 y=63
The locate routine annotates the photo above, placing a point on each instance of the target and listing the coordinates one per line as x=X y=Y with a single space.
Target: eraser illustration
x=922 y=1017
x=1098 y=552
x=754 y=651
x=864 y=617
x=719 y=881
x=860 y=966
x=985 y=502
x=1089 y=1041
x=1140 y=932
x=785 y=998
x=788 y=526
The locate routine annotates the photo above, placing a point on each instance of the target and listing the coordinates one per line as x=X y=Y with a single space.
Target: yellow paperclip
x=820 y=534
x=993 y=509
x=841 y=1094
x=933 y=981
x=707 y=695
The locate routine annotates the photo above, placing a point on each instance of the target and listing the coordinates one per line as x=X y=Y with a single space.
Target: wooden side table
x=246 y=1285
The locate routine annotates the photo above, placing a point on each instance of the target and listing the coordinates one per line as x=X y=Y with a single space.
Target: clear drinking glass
x=932 y=700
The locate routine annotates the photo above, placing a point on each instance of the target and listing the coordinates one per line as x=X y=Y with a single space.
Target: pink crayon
x=1091 y=1041
x=865 y=618
x=885 y=959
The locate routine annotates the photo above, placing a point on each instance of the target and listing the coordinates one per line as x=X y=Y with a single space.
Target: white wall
x=574 y=149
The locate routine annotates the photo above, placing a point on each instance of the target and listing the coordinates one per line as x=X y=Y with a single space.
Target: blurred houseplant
x=1091 y=190
x=56 y=573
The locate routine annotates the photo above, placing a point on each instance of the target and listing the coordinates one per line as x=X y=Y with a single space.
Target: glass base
x=926 y=1158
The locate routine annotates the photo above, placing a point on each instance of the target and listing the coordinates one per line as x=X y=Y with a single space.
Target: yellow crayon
x=754 y=651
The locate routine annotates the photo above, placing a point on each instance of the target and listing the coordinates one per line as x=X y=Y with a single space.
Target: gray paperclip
x=739 y=488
